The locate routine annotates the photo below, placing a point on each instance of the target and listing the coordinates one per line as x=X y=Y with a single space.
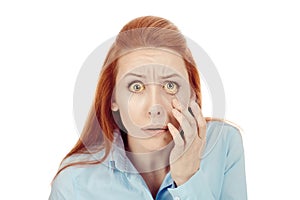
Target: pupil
x=170 y=85
x=137 y=87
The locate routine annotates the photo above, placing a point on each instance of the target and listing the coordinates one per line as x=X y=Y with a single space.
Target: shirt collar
x=118 y=158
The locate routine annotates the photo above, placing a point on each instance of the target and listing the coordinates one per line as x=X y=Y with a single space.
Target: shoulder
x=223 y=135
x=82 y=158
x=83 y=164
x=224 y=146
x=224 y=129
x=65 y=183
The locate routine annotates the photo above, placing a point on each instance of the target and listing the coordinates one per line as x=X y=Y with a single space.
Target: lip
x=155 y=129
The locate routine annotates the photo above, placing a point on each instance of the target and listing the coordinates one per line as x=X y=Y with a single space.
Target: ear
x=193 y=95
x=114 y=106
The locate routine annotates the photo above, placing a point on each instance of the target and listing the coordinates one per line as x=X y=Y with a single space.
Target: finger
x=178 y=140
x=177 y=105
x=199 y=118
x=190 y=119
x=186 y=127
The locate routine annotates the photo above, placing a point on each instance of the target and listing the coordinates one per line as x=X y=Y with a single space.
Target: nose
x=155 y=111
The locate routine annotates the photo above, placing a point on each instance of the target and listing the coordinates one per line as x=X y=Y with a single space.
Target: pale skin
x=185 y=156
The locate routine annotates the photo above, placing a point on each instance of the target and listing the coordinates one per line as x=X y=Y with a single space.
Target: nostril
x=156 y=110
x=157 y=113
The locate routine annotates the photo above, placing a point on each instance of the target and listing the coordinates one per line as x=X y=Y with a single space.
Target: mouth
x=153 y=130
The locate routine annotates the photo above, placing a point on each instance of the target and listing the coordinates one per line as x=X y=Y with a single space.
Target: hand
x=186 y=155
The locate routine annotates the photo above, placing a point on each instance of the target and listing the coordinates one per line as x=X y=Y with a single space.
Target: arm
x=234 y=184
x=191 y=180
x=196 y=188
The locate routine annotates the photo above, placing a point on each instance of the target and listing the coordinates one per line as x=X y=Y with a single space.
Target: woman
x=145 y=136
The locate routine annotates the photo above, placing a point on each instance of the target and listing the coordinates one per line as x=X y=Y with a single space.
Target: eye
x=136 y=86
x=171 y=87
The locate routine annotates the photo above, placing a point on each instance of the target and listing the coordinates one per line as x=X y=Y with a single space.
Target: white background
x=255 y=46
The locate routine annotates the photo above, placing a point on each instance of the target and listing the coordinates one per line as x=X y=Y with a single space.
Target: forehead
x=142 y=57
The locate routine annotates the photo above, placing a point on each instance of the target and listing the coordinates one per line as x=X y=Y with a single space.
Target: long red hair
x=142 y=32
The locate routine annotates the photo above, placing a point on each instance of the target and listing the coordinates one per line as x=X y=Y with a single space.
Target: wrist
x=180 y=180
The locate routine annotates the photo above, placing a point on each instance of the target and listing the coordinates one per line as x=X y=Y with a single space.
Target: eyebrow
x=169 y=76
x=133 y=74
x=143 y=76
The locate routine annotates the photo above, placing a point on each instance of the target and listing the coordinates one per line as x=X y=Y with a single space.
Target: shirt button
x=177 y=198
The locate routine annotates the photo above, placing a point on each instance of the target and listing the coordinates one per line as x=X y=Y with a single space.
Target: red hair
x=142 y=32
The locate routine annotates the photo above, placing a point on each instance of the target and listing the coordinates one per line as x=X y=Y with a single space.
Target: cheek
x=136 y=109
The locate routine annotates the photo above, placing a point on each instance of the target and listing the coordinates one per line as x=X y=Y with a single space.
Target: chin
x=157 y=143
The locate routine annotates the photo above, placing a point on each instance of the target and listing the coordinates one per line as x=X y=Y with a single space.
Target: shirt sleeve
x=63 y=186
x=190 y=189
x=234 y=181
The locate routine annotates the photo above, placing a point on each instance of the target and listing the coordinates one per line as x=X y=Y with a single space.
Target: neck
x=154 y=179
x=149 y=162
x=152 y=165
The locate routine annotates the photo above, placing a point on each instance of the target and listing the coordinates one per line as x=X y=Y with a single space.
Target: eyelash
x=132 y=82
x=176 y=84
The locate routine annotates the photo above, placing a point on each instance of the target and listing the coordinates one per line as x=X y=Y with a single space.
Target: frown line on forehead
x=144 y=76
x=151 y=62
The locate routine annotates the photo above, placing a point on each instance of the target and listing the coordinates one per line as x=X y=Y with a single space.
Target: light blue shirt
x=221 y=174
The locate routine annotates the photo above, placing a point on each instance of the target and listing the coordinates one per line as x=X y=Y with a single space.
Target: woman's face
x=146 y=82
